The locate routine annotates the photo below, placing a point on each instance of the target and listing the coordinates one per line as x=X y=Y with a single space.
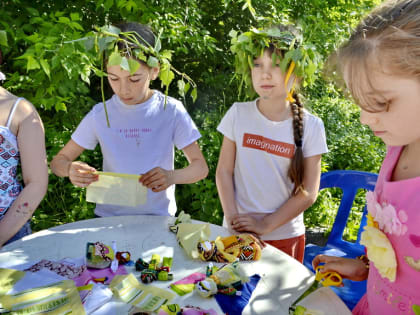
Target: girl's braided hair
x=296 y=169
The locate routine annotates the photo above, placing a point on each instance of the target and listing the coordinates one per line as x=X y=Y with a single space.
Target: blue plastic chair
x=349 y=182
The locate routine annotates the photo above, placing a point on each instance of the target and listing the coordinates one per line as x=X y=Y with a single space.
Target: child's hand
x=353 y=269
x=157 y=179
x=246 y=223
x=81 y=174
x=258 y=239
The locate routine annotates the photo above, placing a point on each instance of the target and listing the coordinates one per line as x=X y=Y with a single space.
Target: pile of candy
x=154 y=270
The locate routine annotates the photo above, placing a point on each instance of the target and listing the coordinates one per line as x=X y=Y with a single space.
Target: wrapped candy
x=230 y=248
x=99 y=255
x=227 y=280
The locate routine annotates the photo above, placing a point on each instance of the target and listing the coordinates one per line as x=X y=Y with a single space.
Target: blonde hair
x=388 y=40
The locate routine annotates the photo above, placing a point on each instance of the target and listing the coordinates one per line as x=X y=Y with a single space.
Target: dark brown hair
x=142 y=32
x=296 y=169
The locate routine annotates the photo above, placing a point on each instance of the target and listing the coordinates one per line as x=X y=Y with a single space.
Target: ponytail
x=296 y=170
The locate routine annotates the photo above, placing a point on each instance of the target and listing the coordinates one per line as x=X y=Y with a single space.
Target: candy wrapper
x=175 y=309
x=99 y=255
x=226 y=280
x=230 y=248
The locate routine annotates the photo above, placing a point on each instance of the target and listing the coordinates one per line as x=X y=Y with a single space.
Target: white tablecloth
x=283 y=279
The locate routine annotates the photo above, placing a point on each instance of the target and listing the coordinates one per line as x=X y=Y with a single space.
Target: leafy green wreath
x=300 y=58
x=106 y=40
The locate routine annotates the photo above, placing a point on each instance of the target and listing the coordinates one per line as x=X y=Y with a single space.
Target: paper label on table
x=117 y=189
x=144 y=297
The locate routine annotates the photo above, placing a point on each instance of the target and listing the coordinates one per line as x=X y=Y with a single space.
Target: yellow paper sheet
x=190 y=234
x=144 y=297
x=117 y=189
x=56 y=299
x=8 y=278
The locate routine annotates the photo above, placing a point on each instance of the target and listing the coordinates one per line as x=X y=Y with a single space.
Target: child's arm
x=158 y=179
x=353 y=269
x=63 y=164
x=291 y=208
x=224 y=179
x=31 y=142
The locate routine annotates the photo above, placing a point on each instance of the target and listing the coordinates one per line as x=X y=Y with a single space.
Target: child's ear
x=154 y=73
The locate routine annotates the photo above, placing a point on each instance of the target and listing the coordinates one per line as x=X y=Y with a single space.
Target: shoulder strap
x=12 y=112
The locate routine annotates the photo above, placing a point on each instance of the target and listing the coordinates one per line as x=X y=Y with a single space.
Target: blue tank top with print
x=10 y=186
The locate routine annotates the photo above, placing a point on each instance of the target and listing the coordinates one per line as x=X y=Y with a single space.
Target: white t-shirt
x=264 y=149
x=140 y=138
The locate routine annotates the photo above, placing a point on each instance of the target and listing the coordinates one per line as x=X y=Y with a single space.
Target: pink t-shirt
x=403 y=295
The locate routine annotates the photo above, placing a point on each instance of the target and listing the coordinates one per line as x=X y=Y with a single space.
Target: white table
x=283 y=279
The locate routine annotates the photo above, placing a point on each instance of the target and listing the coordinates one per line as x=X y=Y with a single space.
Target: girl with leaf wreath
x=380 y=65
x=22 y=144
x=270 y=161
x=137 y=128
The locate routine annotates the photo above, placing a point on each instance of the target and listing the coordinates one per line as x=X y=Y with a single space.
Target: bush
x=47 y=64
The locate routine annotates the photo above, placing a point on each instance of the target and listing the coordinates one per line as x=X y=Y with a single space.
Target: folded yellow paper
x=190 y=234
x=117 y=189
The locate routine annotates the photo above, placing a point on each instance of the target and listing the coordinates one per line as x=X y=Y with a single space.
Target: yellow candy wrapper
x=230 y=248
x=117 y=189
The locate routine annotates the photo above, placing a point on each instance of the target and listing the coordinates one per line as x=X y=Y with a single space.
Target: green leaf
x=64 y=20
x=181 y=87
x=158 y=45
x=187 y=87
x=75 y=16
x=60 y=106
x=194 y=94
x=166 y=54
x=166 y=75
x=100 y=73
x=89 y=43
x=111 y=29
x=243 y=38
x=32 y=11
x=46 y=67
x=108 y=4
x=76 y=26
x=114 y=59
x=134 y=65
x=32 y=63
x=138 y=53
x=3 y=38
x=124 y=64
x=152 y=62
x=297 y=55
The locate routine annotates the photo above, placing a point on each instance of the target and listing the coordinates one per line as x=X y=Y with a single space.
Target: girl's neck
x=273 y=109
x=408 y=165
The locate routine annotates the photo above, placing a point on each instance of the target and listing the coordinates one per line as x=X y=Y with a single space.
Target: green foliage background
x=57 y=78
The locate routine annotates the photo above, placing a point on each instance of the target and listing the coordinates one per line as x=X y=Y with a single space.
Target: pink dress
x=403 y=295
